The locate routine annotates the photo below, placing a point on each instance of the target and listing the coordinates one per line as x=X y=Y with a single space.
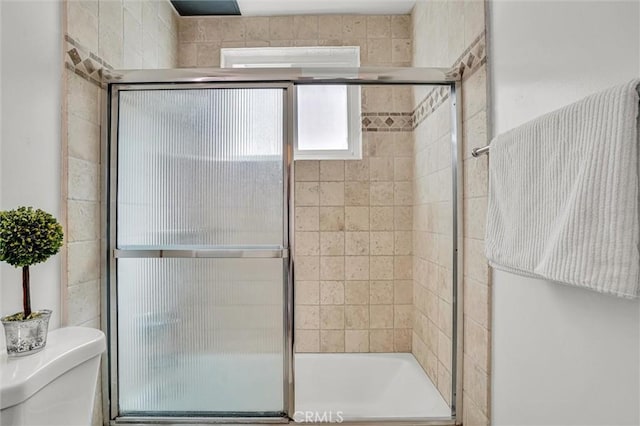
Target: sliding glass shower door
x=201 y=251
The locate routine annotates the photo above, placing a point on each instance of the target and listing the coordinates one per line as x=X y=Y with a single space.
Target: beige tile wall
x=353 y=249
x=448 y=33
x=127 y=34
x=383 y=40
x=113 y=28
x=119 y=34
x=432 y=230
x=477 y=283
x=353 y=219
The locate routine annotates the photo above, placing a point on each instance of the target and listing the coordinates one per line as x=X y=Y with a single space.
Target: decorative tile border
x=83 y=62
x=387 y=122
x=90 y=67
x=429 y=104
x=473 y=57
x=466 y=65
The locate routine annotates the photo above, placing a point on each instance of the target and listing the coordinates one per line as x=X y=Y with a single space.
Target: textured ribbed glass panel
x=200 y=335
x=200 y=167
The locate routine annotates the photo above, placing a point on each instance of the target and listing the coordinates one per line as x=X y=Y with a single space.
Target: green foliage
x=28 y=236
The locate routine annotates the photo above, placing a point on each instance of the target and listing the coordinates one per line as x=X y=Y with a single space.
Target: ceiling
x=206 y=7
x=292 y=7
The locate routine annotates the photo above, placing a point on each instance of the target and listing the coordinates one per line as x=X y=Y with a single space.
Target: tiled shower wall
x=98 y=34
x=383 y=40
x=446 y=34
x=353 y=249
x=353 y=219
x=432 y=236
x=357 y=286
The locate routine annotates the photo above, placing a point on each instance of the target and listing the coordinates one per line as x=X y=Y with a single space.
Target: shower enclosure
x=199 y=302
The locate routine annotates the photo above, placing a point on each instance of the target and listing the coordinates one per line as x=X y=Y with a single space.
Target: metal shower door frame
x=287 y=79
x=112 y=253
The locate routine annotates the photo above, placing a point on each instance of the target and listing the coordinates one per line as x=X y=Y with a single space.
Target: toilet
x=56 y=386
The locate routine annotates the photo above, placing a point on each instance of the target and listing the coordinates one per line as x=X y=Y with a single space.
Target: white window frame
x=309 y=57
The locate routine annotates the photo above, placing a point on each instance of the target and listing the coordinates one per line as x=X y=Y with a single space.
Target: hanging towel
x=563 y=195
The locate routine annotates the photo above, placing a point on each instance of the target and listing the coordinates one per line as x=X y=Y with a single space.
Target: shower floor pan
x=365 y=386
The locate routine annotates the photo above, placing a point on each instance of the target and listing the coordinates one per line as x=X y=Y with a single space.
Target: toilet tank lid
x=66 y=348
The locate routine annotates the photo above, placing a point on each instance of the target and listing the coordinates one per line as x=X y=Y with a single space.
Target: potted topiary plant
x=27 y=237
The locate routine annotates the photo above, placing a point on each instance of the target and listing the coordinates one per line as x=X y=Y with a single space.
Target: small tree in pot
x=27 y=237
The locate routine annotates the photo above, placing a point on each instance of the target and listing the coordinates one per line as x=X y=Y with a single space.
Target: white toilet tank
x=56 y=386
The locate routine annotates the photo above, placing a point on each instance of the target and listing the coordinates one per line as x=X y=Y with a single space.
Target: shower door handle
x=221 y=253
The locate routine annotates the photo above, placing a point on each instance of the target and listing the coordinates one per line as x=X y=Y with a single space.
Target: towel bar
x=477 y=152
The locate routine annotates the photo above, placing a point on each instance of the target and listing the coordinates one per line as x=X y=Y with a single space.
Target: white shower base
x=365 y=386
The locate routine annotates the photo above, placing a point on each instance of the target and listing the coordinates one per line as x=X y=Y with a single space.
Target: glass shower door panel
x=200 y=336
x=201 y=171
x=200 y=167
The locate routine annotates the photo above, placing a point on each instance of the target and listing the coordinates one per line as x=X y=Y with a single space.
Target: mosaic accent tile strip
x=387 y=122
x=467 y=63
x=83 y=62
x=465 y=66
x=473 y=57
x=429 y=104
x=90 y=66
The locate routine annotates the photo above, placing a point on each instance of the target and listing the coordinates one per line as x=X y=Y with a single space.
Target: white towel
x=563 y=195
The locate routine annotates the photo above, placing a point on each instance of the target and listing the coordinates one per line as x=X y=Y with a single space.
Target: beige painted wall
x=30 y=137
x=451 y=34
x=98 y=34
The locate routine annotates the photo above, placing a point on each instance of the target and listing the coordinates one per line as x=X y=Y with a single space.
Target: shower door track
x=286 y=78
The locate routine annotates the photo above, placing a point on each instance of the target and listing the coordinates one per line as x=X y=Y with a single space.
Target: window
x=328 y=115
